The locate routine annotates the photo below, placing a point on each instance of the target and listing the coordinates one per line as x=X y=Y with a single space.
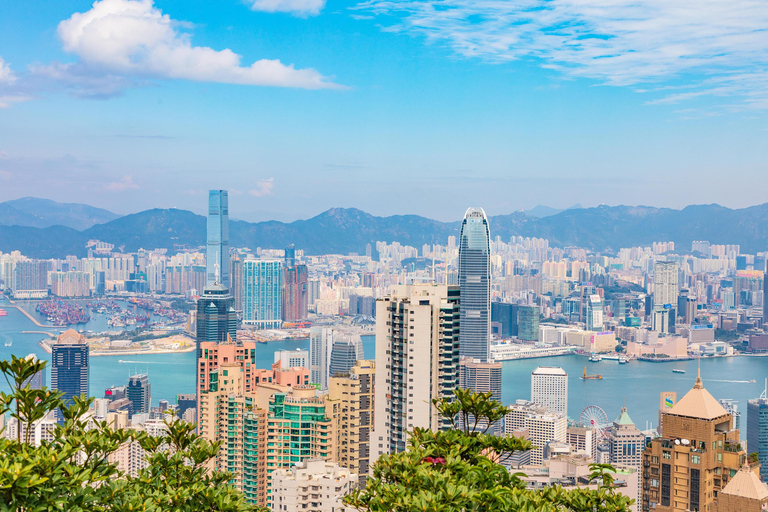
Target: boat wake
x=733 y=381
x=146 y=362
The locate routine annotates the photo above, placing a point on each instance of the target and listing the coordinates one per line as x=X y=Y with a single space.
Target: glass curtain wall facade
x=475 y=285
x=263 y=293
x=217 y=253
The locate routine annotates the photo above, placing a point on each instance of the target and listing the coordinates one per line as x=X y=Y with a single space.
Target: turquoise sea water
x=636 y=384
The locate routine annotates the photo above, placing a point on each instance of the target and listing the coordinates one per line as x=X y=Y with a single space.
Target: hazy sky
x=416 y=106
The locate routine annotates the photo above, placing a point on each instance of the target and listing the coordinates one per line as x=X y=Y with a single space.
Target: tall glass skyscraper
x=475 y=285
x=217 y=254
x=347 y=350
x=263 y=293
x=69 y=366
x=757 y=431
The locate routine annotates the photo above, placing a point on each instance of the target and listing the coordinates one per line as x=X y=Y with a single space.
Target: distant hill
x=345 y=230
x=43 y=213
x=541 y=211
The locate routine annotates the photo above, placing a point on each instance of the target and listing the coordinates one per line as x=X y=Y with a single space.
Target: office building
x=541 y=425
x=475 y=285
x=696 y=456
x=185 y=402
x=594 y=313
x=292 y=358
x=295 y=289
x=139 y=393
x=216 y=317
x=505 y=314
x=263 y=293
x=314 y=485
x=320 y=346
x=37 y=381
x=69 y=365
x=625 y=441
x=417 y=359
x=346 y=351
x=732 y=407
x=481 y=378
x=352 y=397
x=528 y=323
x=217 y=249
x=757 y=431
x=549 y=388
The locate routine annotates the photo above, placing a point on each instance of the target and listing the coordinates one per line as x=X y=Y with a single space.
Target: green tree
x=73 y=472
x=460 y=470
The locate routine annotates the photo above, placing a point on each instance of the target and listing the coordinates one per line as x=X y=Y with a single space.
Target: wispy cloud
x=10 y=92
x=719 y=46
x=295 y=7
x=6 y=74
x=5 y=175
x=263 y=188
x=121 y=185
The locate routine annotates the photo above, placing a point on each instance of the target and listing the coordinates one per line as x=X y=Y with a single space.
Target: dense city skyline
x=464 y=109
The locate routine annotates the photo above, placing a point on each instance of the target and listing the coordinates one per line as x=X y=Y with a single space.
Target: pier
x=34 y=320
x=39 y=332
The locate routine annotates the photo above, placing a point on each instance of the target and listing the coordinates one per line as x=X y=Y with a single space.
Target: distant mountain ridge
x=345 y=230
x=43 y=213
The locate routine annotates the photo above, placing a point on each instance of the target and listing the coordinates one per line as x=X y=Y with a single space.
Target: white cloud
x=5 y=175
x=124 y=183
x=119 y=41
x=718 y=46
x=296 y=7
x=6 y=74
x=263 y=188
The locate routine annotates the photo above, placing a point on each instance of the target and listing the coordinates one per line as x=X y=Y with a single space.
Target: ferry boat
x=677 y=370
x=623 y=360
x=595 y=358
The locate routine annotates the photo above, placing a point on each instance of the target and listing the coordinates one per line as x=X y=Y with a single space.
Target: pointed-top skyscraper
x=217 y=253
x=475 y=285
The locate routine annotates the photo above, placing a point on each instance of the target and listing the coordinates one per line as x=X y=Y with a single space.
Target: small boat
x=623 y=360
x=3 y=312
x=595 y=358
x=677 y=370
x=753 y=381
x=8 y=343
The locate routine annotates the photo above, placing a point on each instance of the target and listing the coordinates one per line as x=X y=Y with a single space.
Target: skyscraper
x=549 y=388
x=262 y=293
x=295 y=288
x=417 y=359
x=757 y=431
x=626 y=442
x=139 y=393
x=37 y=381
x=347 y=350
x=69 y=365
x=665 y=294
x=320 y=346
x=216 y=317
x=217 y=253
x=475 y=285
x=528 y=323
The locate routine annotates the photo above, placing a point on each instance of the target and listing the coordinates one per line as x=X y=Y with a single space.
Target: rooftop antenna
x=216 y=273
x=764 y=394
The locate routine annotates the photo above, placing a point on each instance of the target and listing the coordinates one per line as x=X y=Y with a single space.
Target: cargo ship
x=677 y=370
x=590 y=377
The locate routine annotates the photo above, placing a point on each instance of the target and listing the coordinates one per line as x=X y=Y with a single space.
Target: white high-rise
x=417 y=359
x=665 y=289
x=549 y=388
x=320 y=346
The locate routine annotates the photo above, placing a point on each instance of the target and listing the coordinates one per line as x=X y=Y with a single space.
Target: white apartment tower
x=320 y=346
x=549 y=388
x=417 y=359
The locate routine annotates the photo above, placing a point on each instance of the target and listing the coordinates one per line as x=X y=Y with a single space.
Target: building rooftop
x=71 y=337
x=549 y=370
x=623 y=418
x=698 y=403
x=746 y=484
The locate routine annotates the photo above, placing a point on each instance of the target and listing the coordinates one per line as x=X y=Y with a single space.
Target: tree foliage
x=73 y=472
x=460 y=470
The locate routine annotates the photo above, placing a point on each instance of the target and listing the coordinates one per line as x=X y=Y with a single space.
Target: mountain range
x=345 y=230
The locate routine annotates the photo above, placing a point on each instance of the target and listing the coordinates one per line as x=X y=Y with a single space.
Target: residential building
x=217 y=248
x=482 y=378
x=70 y=284
x=475 y=285
x=541 y=426
x=292 y=358
x=262 y=293
x=549 y=388
x=69 y=365
x=347 y=350
x=295 y=289
x=417 y=360
x=696 y=456
x=315 y=485
x=352 y=397
x=320 y=346
x=744 y=493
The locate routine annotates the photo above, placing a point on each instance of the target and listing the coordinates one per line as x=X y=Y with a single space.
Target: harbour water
x=636 y=384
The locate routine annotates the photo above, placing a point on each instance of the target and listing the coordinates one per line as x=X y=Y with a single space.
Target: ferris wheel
x=595 y=418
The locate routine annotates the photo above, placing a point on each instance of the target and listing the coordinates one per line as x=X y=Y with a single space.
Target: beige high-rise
x=695 y=458
x=352 y=399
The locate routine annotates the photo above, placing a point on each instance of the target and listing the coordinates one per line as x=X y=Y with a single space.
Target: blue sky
x=420 y=107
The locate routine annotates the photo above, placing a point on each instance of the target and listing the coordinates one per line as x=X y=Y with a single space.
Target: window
x=695 y=459
x=666 y=455
x=719 y=457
